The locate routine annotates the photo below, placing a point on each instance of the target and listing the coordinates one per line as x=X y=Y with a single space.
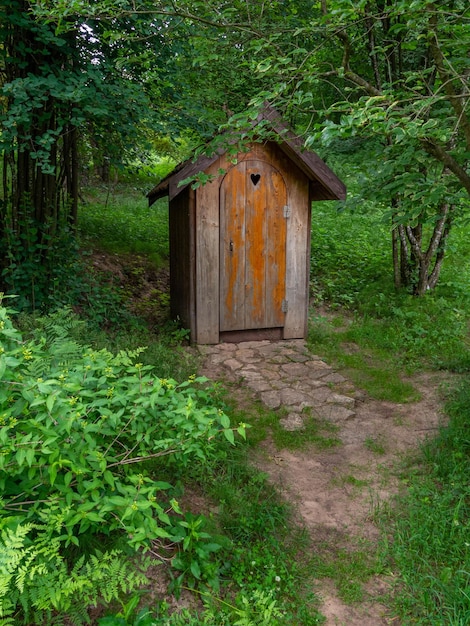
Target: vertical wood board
x=207 y=261
x=232 y=249
x=298 y=255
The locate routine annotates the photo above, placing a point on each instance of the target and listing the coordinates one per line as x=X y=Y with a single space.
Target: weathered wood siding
x=297 y=239
x=207 y=260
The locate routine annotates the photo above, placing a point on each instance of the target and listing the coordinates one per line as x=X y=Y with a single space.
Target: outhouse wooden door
x=253 y=199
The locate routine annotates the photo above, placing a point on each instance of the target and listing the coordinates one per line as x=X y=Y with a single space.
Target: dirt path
x=336 y=490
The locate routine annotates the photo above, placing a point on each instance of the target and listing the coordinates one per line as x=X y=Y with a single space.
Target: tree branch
x=437 y=151
x=453 y=96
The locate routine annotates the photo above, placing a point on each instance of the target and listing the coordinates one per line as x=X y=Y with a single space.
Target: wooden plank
x=255 y=243
x=180 y=259
x=192 y=263
x=207 y=262
x=254 y=334
x=232 y=249
x=297 y=256
x=276 y=249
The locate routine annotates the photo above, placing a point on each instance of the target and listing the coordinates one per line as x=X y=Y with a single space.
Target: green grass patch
x=430 y=551
x=119 y=220
x=351 y=271
x=368 y=367
x=376 y=445
x=316 y=432
x=349 y=568
x=266 y=423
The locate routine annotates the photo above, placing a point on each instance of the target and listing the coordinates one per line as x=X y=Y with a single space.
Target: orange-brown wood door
x=253 y=196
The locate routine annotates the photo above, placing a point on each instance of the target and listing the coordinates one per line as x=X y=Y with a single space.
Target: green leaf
x=109 y=478
x=195 y=569
x=53 y=473
x=30 y=456
x=20 y=456
x=50 y=401
x=225 y=421
x=229 y=436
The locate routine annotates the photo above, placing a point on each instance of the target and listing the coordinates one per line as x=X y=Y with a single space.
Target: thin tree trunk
x=396 y=259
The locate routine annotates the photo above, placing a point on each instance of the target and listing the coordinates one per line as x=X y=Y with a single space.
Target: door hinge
x=285 y=306
x=287 y=211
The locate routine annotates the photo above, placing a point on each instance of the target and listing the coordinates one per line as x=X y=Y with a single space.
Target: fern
x=57 y=333
x=37 y=583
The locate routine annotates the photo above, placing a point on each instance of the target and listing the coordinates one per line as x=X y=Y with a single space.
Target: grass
x=367 y=366
x=430 y=551
x=380 y=338
x=375 y=445
x=350 y=568
x=119 y=220
x=316 y=432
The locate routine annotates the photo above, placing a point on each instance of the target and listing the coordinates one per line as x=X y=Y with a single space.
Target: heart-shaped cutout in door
x=255 y=178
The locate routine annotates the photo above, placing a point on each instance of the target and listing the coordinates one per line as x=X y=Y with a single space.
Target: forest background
x=97 y=92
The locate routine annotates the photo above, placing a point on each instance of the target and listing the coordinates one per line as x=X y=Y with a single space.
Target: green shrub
x=78 y=432
x=42 y=267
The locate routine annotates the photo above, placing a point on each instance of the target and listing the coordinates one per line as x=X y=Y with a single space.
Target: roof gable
x=324 y=182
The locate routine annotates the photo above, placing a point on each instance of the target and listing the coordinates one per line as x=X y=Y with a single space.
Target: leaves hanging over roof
x=268 y=125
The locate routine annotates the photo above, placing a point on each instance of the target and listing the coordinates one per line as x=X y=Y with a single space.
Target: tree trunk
x=36 y=197
x=419 y=269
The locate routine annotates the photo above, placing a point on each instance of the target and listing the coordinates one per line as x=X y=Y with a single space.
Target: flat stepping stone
x=318 y=364
x=292 y=397
x=294 y=369
x=334 y=413
x=334 y=378
x=292 y=422
x=299 y=358
x=259 y=385
x=336 y=398
x=272 y=399
x=233 y=364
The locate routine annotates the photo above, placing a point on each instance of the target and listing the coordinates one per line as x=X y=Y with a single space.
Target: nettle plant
x=79 y=431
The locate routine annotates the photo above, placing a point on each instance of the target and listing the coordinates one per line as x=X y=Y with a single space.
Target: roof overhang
x=325 y=184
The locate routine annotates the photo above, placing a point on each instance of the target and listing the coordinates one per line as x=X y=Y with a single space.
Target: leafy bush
x=78 y=431
x=42 y=267
x=258 y=608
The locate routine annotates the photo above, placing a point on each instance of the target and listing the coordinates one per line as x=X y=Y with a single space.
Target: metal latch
x=285 y=306
x=287 y=211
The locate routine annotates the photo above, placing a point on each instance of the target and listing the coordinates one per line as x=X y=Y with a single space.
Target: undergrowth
x=118 y=219
x=249 y=563
x=430 y=547
x=361 y=323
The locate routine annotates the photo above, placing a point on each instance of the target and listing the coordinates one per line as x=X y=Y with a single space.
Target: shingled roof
x=325 y=184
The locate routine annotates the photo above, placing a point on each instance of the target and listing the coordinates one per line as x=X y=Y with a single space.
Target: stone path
x=285 y=375
x=337 y=490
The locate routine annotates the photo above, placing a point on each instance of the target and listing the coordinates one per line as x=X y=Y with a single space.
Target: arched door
x=253 y=197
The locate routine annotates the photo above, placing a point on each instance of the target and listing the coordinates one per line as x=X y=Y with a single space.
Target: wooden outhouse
x=240 y=244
